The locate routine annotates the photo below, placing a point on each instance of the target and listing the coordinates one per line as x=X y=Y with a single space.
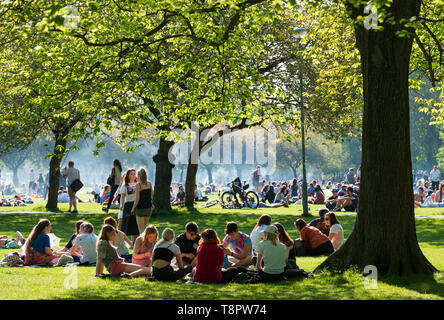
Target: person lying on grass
x=107 y=257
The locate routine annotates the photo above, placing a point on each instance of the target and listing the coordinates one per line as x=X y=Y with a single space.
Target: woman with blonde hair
x=164 y=251
x=144 y=245
x=274 y=255
x=107 y=257
x=143 y=203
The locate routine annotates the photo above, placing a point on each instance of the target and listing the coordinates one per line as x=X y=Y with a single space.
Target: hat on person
x=271 y=229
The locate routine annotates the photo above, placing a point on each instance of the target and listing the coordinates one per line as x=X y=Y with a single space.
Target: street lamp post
x=300 y=33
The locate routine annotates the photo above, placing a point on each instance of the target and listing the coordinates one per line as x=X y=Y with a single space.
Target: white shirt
x=434 y=175
x=337 y=229
x=256 y=235
x=88 y=242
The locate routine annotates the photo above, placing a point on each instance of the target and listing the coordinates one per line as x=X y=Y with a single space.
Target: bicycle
x=250 y=198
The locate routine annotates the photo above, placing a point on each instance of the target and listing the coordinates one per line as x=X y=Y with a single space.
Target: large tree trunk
x=384 y=234
x=164 y=173
x=190 y=183
x=54 y=171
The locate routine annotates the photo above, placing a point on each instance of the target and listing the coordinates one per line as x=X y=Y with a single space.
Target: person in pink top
x=143 y=246
x=210 y=259
x=316 y=243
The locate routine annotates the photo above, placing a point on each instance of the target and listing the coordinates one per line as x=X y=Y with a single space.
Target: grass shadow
x=426 y=284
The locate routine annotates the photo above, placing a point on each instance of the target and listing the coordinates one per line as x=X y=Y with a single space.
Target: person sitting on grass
x=180 y=197
x=144 y=245
x=318 y=196
x=257 y=232
x=316 y=243
x=336 y=232
x=188 y=242
x=210 y=260
x=11 y=243
x=37 y=248
x=240 y=245
x=119 y=241
x=164 y=252
x=331 y=202
x=320 y=222
x=273 y=253
x=349 y=202
x=84 y=245
x=68 y=246
x=107 y=257
x=282 y=197
x=284 y=238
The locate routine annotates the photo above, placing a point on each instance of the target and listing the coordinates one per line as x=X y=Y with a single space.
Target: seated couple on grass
x=322 y=237
x=37 y=249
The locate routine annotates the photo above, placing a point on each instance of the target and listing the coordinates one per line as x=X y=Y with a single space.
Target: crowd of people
x=268 y=252
x=428 y=189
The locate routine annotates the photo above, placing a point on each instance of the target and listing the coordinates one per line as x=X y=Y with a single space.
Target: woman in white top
x=257 y=232
x=336 y=234
x=128 y=196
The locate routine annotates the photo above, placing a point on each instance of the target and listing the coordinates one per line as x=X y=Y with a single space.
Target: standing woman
x=128 y=194
x=142 y=205
x=37 y=248
x=116 y=173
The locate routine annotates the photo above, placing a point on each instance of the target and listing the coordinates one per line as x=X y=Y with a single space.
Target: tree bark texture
x=54 y=171
x=164 y=173
x=384 y=234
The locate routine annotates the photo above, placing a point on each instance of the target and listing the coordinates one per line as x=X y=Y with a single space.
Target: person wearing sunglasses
x=188 y=242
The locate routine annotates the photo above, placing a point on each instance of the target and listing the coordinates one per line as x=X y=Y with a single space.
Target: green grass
x=49 y=283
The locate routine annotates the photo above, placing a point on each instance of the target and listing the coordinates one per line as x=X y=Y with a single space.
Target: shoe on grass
x=75 y=211
x=125 y=275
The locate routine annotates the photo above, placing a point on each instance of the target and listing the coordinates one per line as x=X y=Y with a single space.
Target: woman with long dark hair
x=37 y=248
x=336 y=234
x=128 y=194
x=114 y=177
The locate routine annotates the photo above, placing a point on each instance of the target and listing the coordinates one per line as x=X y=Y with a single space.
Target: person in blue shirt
x=37 y=248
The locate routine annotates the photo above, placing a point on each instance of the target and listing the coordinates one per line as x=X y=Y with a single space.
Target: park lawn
x=55 y=283
x=91 y=207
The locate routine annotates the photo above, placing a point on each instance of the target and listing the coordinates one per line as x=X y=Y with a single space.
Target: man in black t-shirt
x=188 y=243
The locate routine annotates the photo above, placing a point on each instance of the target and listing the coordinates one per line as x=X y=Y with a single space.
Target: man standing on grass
x=72 y=174
x=434 y=177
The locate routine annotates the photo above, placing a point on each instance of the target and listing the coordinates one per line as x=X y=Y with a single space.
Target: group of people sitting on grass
x=427 y=197
x=269 y=249
x=178 y=199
